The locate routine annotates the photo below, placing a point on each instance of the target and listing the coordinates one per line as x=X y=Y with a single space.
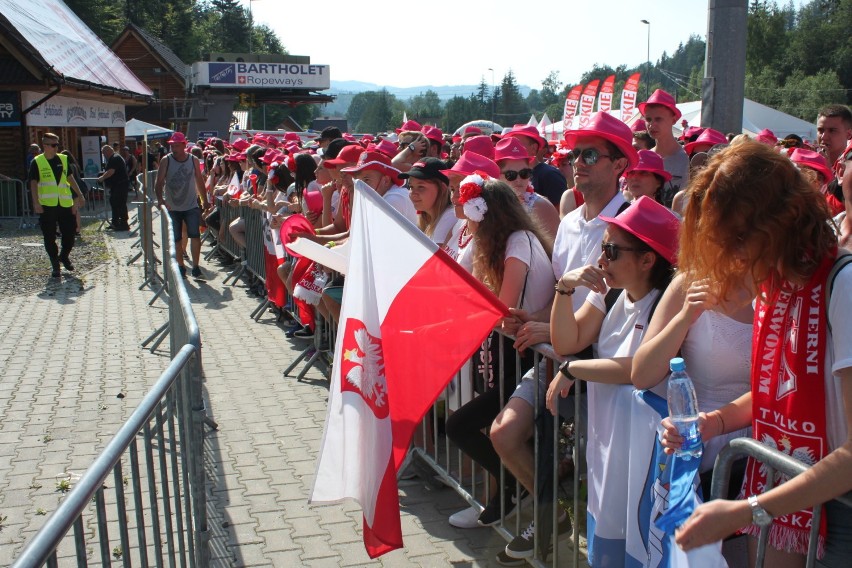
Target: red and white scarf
x=788 y=392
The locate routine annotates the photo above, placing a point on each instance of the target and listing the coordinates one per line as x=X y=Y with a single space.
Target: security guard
x=55 y=194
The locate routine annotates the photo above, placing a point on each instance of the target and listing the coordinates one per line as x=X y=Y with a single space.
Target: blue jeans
x=191 y=217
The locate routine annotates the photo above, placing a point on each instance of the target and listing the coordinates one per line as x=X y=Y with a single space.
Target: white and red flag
x=605 y=96
x=571 y=102
x=628 y=96
x=587 y=102
x=410 y=317
x=235 y=190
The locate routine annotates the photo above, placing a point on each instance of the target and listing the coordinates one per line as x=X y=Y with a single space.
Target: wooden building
x=57 y=76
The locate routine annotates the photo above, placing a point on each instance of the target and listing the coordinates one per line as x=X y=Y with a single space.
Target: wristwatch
x=413 y=148
x=759 y=516
x=566 y=372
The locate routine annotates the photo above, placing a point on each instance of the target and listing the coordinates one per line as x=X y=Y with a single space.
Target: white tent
x=136 y=129
x=756 y=117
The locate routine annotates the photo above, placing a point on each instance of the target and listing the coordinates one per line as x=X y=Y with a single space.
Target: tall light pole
x=493 y=97
x=647 y=59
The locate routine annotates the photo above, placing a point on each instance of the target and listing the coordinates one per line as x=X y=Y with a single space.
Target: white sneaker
x=466 y=519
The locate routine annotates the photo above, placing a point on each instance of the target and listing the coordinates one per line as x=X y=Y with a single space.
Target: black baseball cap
x=333 y=149
x=330 y=133
x=427 y=168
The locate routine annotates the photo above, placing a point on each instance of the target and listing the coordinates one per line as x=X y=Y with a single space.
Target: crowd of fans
x=621 y=246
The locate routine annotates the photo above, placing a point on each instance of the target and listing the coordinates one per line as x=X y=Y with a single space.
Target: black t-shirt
x=118 y=180
x=56 y=166
x=549 y=182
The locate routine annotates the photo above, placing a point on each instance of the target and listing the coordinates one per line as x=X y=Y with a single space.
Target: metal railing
x=775 y=461
x=550 y=448
x=164 y=518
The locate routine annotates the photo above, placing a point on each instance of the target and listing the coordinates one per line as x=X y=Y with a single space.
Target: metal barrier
x=449 y=463
x=775 y=461
x=256 y=227
x=167 y=485
x=15 y=201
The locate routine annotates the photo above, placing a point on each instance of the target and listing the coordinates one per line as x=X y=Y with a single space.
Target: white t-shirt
x=526 y=247
x=578 y=243
x=838 y=356
x=452 y=246
x=399 y=200
x=446 y=224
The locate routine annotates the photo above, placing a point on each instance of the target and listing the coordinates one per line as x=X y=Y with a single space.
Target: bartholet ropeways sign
x=261 y=75
x=73 y=112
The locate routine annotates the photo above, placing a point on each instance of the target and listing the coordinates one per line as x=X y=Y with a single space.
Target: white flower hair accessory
x=470 y=196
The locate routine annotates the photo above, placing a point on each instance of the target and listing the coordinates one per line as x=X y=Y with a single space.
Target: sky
x=392 y=43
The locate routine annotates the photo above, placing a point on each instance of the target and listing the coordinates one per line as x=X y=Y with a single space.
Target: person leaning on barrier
x=510 y=255
x=602 y=152
x=638 y=251
x=752 y=217
x=55 y=196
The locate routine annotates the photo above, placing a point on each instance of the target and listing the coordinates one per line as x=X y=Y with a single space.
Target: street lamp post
x=647 y=59
x=493 y=97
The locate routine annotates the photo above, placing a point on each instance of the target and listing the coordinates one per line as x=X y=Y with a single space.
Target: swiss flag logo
x=241 y=80
x=362 y=367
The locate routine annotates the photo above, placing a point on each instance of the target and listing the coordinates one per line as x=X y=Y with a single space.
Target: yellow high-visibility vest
x=51 y=193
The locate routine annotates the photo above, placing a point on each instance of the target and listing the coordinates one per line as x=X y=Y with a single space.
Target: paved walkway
x=71 y=371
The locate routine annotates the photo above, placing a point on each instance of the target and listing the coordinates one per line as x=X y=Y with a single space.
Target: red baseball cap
x=348 y=155
x=292 y=137
x=375 y=161
x=410 y=125
x=433 y=133
x=240 y=144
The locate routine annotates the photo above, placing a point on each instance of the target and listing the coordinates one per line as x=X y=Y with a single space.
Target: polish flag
x=234 y=187
x=411 y=316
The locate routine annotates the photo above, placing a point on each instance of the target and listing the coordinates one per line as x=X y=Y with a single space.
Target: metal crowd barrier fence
x=255 y=247
x=157 y=492
x=551 y=495
x=775 y=461
x=15 y=202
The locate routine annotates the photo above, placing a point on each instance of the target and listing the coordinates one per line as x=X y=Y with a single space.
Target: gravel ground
x=25 y=266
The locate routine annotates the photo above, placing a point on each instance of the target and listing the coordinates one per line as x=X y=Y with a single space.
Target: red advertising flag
x=587 y=102
x=605 y=96
x=571 y=102
x=628 y=96
x=411 y=316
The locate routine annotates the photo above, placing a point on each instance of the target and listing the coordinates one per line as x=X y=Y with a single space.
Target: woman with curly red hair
x=751 y=216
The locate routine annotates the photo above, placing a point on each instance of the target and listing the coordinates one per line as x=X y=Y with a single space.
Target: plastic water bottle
x=683 y=410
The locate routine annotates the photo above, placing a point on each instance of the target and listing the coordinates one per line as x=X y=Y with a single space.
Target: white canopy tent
x=756 y=117
x=136 y=129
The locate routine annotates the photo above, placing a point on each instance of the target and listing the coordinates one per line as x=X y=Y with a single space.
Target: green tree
x=511 y=106
x=551 y=89
x=425 y=106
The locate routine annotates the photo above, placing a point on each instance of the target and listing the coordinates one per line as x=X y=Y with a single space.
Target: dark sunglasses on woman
x=512 y=175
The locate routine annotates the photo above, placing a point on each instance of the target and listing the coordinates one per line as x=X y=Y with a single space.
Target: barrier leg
x=258 y=311
x=157 y=294
x=236 y=273
x=159 y=334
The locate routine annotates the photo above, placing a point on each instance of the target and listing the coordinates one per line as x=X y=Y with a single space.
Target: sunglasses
x=512 y=175
x=611 y=250
x=590 y=156
x=52 y=145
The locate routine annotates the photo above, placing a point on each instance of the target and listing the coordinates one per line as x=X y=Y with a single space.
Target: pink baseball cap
x=292 y=137
x=654 y=224
x=510 y=149
x=482 y=145
x=650 y=161
x=177 y=138
x=662 y=98
x=812 y=160
x=433 y=133
x=603 y=125
x=709 y=136
x=409 y=125
x=528 y=132
x=470 y=163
